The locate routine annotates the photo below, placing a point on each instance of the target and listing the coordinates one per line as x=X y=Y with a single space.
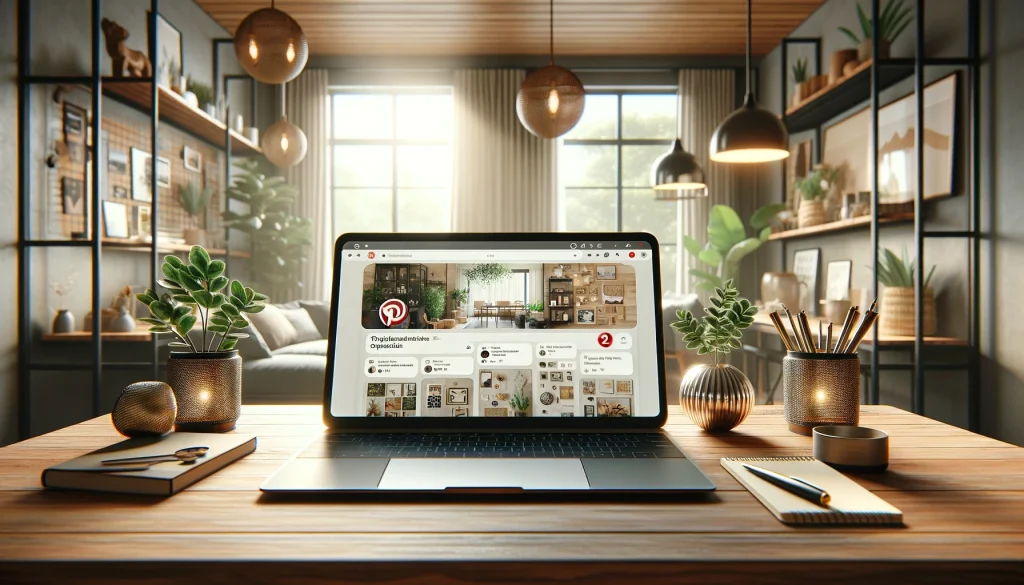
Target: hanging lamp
x=284 y=143
x=271 y=46
x=750 y=134
x=677 y=175
x=550 y=100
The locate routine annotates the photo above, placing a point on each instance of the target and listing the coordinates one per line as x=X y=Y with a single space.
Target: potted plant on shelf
x=520 y=404
x=728 y=243
x=800 y=88
x=813 y=189
x=898 y=306
x=204 y=96
x=204 y=369
x=716 y=396
x=194 y=201
x=892 y=21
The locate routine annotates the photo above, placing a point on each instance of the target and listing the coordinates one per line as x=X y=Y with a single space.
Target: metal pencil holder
x=820 y=389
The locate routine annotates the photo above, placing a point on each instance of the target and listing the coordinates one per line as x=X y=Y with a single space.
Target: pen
x=796 y=330
x=793 y=485
x=777 y=321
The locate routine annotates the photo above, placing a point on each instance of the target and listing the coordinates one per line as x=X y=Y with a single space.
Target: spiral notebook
x=851 y=504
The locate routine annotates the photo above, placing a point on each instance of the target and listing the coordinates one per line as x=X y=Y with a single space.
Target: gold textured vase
x=716 y=397
x=208 y=390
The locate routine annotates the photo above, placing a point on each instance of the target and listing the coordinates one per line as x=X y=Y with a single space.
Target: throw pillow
x=275 y=328
x=305 y=329
x=320 y=311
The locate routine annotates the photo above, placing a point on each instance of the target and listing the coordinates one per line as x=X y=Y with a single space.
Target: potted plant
x=800 y=88
x=204 y=369
x=204 y=95
x=898 y=306
x=812 y=189
x=520 y=404
x=194 y=202
x=433 y=298
x=536 y=310
x=892 y=21
x=728 y=243
x=373 y=298
x=459 y=298
x=716 y=396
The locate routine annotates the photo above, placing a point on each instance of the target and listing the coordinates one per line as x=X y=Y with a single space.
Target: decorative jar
x=208 y=390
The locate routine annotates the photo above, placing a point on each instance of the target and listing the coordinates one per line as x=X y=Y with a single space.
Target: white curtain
x=308 y=107
x=706 y=97
x=504 y=179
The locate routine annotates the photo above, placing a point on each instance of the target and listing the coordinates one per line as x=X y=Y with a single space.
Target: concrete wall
x=945 y=30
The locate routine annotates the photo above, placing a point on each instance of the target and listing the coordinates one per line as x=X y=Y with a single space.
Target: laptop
x=506 y=363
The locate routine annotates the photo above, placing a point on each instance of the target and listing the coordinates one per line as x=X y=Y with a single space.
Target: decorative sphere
x=284 y=144
x=271 y=46
x=550 y=101
x=145 y=409
x=716 y=397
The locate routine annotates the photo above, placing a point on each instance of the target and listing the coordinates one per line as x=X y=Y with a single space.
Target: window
x=392 y=160
x=605 y=169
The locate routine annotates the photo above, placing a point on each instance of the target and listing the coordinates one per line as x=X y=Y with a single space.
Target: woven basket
x=898 y=311
x=812 y=213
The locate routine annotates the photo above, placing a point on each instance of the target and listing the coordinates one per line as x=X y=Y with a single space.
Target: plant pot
x=63 y=322
x=194 y=237
x=208 y=390
x=191 y=99
x=812 y=213
x=850 y=67
x=781 y=286
x=898 y=311
x=799 y=92
x=716 y=397
x=837 y=63
x=519 y=414
x=864 y=50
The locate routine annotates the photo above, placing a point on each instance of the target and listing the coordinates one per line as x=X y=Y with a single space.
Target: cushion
x=318 y=347
x=251 y=348
x=305 y=329
x=284 y=379
x=275 y=328
x=320 y=312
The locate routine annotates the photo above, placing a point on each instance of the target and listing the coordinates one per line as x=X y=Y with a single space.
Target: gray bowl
x=851 y=448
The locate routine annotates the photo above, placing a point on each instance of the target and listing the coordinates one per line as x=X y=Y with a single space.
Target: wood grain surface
x=962 y=496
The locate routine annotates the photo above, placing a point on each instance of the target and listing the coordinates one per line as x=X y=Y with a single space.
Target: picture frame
x=457 y=396
x=837 y=280
x=586 y=316
x=460 y=411
x=119 y=192
x=71 y=196
x=74 y=121
x=799 y=164
x=117 y=161
x=606 y=272
x=141 y=175
x=192 y=159
x=486 y=378
x=115 y=219
x=555 y=376
x=169 y=52
x=805 y=267
x=141 y=220
x=613 y=294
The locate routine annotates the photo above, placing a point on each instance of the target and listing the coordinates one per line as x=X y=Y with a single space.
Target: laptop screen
x=514 y=328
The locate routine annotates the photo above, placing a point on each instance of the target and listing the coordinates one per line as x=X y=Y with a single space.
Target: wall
x=945 y=25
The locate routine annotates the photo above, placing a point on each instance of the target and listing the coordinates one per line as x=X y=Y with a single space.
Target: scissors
x=186 y=455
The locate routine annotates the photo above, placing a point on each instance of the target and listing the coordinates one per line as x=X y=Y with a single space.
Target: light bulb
x=820 y=396
x=553 y=102
x=284 y=142
x=290 y=53
x=254 y=51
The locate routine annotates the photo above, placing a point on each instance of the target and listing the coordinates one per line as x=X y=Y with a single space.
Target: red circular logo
x=632 y=254
x=604 y=339
x=393 y=312
x=370 y=255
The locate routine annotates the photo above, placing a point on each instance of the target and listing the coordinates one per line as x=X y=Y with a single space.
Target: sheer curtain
x=308 y=107
x=504 y=177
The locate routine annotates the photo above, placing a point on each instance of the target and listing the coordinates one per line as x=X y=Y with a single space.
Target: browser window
x=496 y=329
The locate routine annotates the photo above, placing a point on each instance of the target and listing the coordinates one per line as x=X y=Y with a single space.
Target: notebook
x=163 y=479
x=851 y=504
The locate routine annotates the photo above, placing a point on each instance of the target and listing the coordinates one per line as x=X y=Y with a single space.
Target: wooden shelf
x=141 y=333
x=137 y=246
x=174 y=110
x=863 y=221
x=761 y=319
x=840 y=97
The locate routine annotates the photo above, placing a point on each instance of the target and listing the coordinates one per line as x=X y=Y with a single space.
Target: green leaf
x=219 y=299
x=186 y=324
x=228 y=344
x=204 y=299
x=230 y=310
x=152 y=321
x=179 y=344
x=179 y=313
x=170 y=272
x=692 y=246
x=215 y=269
x=196 y=273
x=240 y=324
x=710 y=256
x=765 y=234
x=850 y=33
x=238 y=303
x=237 y=290
x=725 y=229
x=161 y=310
x=740 y=250
x=144 y=298
x=218 y=283
x=190 y=284
x=238 y=335
x=865 y=22
x=897 y=29
x=184 y=298
x=764 y=217
x=249 y=295
x=253 y=308
x=711 y=279
x=219 y=319
x=217 y=328
x=174 y=261
x=199 y=259
x=160 y=329
x=259 y=297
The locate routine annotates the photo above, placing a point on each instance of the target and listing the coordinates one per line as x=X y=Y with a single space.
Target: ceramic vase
x=208 y=390
x=63 y=321
x=194 y=237
x=123 y=322
x=781 y=286
x=864 y=50
x=716 y=397
x=838 y=62
x=812 y=213
x=898 y=310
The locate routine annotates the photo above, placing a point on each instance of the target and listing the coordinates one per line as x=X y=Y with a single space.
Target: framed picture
x=163 y=172
x=556 y=376
x=120 y=192
x=588 y=410
x=72 y=201
x=613 y=294
x=606 y=387
x=624 y=386
x=585 y=316
x=193 y=159
x=485 y=379
x=140 y=217
x=459 y=411
x=606 y=272
x=115 y=219
x=75 y=119
x=837 y=280
x=805 y=266
x=799 y=166
x=141 y=176
x=458 y=396
x=614 y=407
x=169 y=53
x=117 y=161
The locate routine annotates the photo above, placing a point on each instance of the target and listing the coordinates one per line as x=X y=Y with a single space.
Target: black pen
x=793 y=485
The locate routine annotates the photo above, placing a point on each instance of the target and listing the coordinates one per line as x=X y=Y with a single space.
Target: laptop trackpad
x=469 y=474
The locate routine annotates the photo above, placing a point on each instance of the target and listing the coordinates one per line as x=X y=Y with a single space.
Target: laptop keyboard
x=604 y=445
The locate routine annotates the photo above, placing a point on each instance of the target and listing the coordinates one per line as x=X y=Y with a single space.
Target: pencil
x=848 y=331
x=796 y=330
x=828 y=339
x=821 y=337
x=777 y=321
x=844 y=330
x=865 y=326
x=805 y=327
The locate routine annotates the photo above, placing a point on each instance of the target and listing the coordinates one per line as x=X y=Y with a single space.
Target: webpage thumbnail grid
x=530 y=340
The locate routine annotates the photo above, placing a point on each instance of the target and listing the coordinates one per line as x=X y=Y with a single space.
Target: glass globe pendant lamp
x=271 y=46
x=550 y=100
x=284 y=143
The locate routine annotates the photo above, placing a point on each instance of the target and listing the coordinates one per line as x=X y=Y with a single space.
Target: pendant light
x=271 y=46
x=550 y=100
x=750 y=134
x=677 y=175
x=284 y=143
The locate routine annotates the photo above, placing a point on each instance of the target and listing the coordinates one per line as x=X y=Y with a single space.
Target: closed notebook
x=851 y=504
x=162 y=479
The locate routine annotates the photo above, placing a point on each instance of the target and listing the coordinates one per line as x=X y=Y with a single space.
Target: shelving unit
x=829 y=102
x=562 y=292
x=166 y=248
x=861 y=222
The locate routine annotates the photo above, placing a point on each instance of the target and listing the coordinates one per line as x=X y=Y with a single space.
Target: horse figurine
x=127 y=62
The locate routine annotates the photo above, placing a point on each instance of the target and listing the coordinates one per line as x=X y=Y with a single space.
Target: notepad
x=850 y=505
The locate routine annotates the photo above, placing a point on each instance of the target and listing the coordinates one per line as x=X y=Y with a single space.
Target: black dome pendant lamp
x=677 y=175
x=750 y=134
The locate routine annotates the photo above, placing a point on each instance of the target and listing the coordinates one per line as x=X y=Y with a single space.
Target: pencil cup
x=820 y=389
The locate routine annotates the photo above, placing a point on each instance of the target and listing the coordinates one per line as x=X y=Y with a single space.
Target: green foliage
x=204 y=93
x=722 y=327
x=460 y=296
x=800 y=70
x=899 y=272
x=535 y=307
x=486 y=274
x=433 y=298
x=817 y=183
x=892 y=21
x=373 y=297
x=728 y=243
x=193 y=200
x=197 y=290
x=280 y=240
x=519 y=401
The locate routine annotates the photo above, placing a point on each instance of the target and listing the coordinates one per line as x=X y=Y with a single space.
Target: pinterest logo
x=393 y=312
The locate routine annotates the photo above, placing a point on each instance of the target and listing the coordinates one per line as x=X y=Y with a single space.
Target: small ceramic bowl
x=851 y=448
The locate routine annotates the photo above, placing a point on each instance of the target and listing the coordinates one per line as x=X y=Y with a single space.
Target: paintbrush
x=847 y=324
x=865 y=325
x=777 y=321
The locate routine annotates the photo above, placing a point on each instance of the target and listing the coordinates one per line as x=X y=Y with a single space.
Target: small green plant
x=817 y=183
x=460 y=296
x=535 y=307
x=193 y=200
x=519 y=402
x=899 y=272
x=488 y=273
x=728 y=243
x=194 y=296
x=204 y=93
x=373 y=297
x=721 y=329
x=800 y=71
x=433 y=299
x=892 y=21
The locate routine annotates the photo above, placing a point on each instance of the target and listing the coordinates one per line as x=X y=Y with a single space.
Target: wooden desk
x=962 y=496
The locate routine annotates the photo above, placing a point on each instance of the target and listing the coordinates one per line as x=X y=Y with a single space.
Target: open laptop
x=429 y=394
